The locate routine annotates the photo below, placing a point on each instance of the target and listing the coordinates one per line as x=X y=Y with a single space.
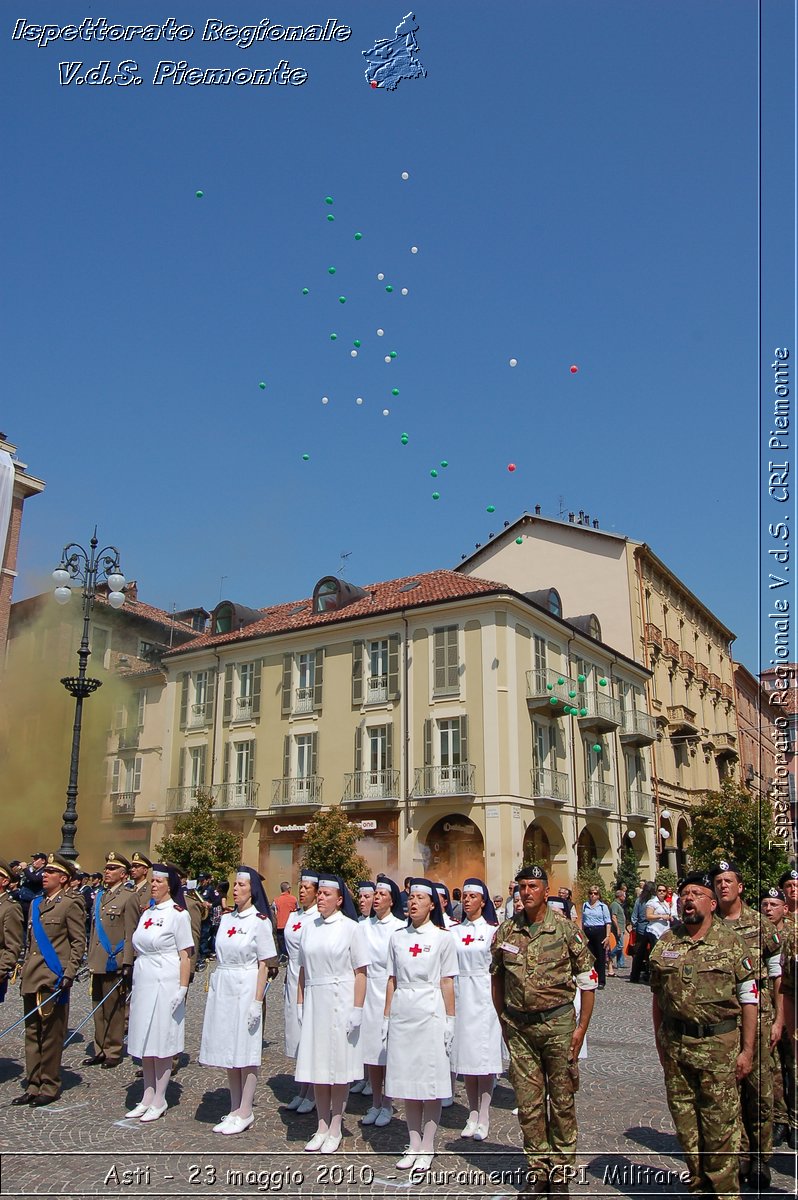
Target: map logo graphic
x=390 y=60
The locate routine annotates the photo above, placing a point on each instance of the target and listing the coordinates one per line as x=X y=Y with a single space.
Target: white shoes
x=138 y=1111
x=153 y=1113
x=384 y=1118
x=295 y=1103
x=305 y=1106
x=470 y=1127
x=331 y=1143
x=480 y=1133
x=236 y=1124
x=367 y=1090
x=358 y=1086
x=423 y=1162
x=370 y=1117
x=316 y=1142
x=407 y=1160
x=221 y=1126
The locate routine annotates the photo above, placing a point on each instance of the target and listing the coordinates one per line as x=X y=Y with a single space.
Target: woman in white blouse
x=163 y=944
x=333 y=957
x=477 y=1049
x=419 y=1026
x=386 y=917
x=303 y=1101
x=231 y=1031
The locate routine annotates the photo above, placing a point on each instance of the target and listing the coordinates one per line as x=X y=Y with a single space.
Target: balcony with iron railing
x=243 y=710
x=123 y=804
x=456 y=780
x=687 y=661
x=603 y=712
x=298 y=790
x=544 y=686
x=599 y=796
x=360 y=786
x=303 y=700
x=671 y=648
x=377 y=689
x=225 y=797
x=550 y=785
x=637 y=728
x=198 y=716
x=129 y=738
x=654 y=636
x=682 y=720
x=639 y=804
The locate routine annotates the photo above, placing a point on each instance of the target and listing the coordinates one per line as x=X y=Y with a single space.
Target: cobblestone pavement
x=82 y=1145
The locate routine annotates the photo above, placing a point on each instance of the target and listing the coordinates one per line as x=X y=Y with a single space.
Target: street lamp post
x=82 y=568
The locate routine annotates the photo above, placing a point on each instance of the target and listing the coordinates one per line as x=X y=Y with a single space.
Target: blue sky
x=582 y=190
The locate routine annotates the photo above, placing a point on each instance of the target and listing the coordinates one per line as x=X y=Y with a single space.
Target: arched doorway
x=456 y=850
x=537 y=848
x=586 y=850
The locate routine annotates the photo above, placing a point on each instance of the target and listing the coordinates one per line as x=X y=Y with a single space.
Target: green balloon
x=331 y=270
x=304 y=291
x=582 y=712
x=342 y=299
x=444 y=463
x=333 y=337
x=356 y=342
x=566 y=709
x=561 y=681
x=394 y=391
x=436 y=495
x=199 y=195
x=550 y=687
x=491 y=508
x=393 y=354
x=602 y=683
x=330 y=217
x=328 y=199
x=389 y=288
x=305 y=457
x=572 y=694
x=262 y=386
x=553 y=700
x=434 y=473
x=519 y=541
x=358 y=236
x=580 y=678
x=405 y=439
x=597 y=748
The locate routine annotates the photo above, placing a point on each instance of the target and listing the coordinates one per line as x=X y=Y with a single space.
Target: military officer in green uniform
x=705 y=988
x=789 y=963
x=756 y=1092
x=10 y=929
x=538 y=962
x=56 y=944
x=116 y=915
x=772 y=904
x=140 y=866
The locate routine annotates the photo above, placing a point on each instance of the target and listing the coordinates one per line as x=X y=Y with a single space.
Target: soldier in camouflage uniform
x=539 y=961
x=789 y=961
x=704 y=985
x=773 y=906
x=756 y=1093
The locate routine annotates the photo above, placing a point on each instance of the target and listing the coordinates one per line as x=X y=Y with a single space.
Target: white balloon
x=387 y=358
x=380 y=332
x=513 y=362
x=405 y=175
x=325 y=399
x=359 y=400
x=385 y=412
x=404 y=291
x=414 y=249
x=353 y=353
x=380 y=276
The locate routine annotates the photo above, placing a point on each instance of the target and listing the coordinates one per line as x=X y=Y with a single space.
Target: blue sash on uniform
x=112 y=951
x=51 y=959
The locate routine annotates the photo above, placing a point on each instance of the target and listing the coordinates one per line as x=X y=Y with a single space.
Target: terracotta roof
x=147 y=612
x=434 y=587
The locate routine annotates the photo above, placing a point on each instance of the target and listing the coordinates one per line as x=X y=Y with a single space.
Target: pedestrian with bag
x=596 y=924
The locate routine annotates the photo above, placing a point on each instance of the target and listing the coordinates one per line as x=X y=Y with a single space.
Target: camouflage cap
x=696 y=879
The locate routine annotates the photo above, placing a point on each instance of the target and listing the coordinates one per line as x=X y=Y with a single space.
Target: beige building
x=648 y=614
x=16 y=486
x=757 y=751
x=457 y=722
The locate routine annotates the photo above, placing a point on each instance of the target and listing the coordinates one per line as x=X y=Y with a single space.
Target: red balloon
x=511 y=466
x=373 y=83
x=574 y=370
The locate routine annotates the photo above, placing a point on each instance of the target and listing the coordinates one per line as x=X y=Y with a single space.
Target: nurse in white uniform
x=163 y=944
x=477 y=1049
x=333 y=957
x=419 y=1007
x=231 y=1032
x=385 y=919
x=303 y=1101
x=446 y=905
x=365 y=901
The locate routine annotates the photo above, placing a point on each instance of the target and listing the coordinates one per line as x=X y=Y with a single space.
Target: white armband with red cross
x=774 y=966
x=587 y=981
x=748 y=992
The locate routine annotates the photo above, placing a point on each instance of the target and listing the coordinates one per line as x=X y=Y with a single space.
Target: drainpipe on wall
x=215 y=711
x=405 y=718
x=654 y=775
x=573 y=771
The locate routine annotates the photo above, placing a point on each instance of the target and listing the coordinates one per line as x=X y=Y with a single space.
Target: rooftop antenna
x=221 y=585
x=561 y=503
x=172 y=626
x=345 y=554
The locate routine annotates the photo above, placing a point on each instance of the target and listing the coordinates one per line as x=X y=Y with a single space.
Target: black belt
x=691 y=1029
x=537 y=1018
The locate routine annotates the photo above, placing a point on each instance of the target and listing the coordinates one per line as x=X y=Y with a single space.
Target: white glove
x=254 y=1016
x=178 y=999
x=354 y=1021
x=448 y=1034
x=299 y=1008
x=384 y=1030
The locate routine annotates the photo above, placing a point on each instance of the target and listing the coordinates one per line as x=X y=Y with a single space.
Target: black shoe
x=743 y=1168
x=780 y=1133
x=108 y=1064
x=759 y=1177
x=601 y=985
x=41 y=1101
x=95 y=1059
x=25 y=1098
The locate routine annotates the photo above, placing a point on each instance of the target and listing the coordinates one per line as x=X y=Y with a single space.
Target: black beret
x=698 y=879
x=532 y=873
x=725 y=864
x=773 y=893
x=787 y=876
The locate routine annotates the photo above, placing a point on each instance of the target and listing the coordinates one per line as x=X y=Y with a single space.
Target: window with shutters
x=200 y=688
x=126 y=776
x=100 y=645
x=303 y=675
x=378 y=672
x=446 y=661
x=446 y=769
x=247 y=701
x=196 y=766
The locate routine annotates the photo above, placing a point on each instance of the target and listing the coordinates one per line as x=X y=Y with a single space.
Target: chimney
x=132 y=590
x=595 y=524
x=571 y=518
x=537 y=510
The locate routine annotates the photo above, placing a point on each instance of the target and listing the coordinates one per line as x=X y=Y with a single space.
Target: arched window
x=555 y=603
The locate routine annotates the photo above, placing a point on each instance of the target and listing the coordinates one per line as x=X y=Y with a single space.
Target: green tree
x=199 y=842
x=627 y=873
x=667 y=876
x=589 y=876
x=733 y=824
x=331 y=845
